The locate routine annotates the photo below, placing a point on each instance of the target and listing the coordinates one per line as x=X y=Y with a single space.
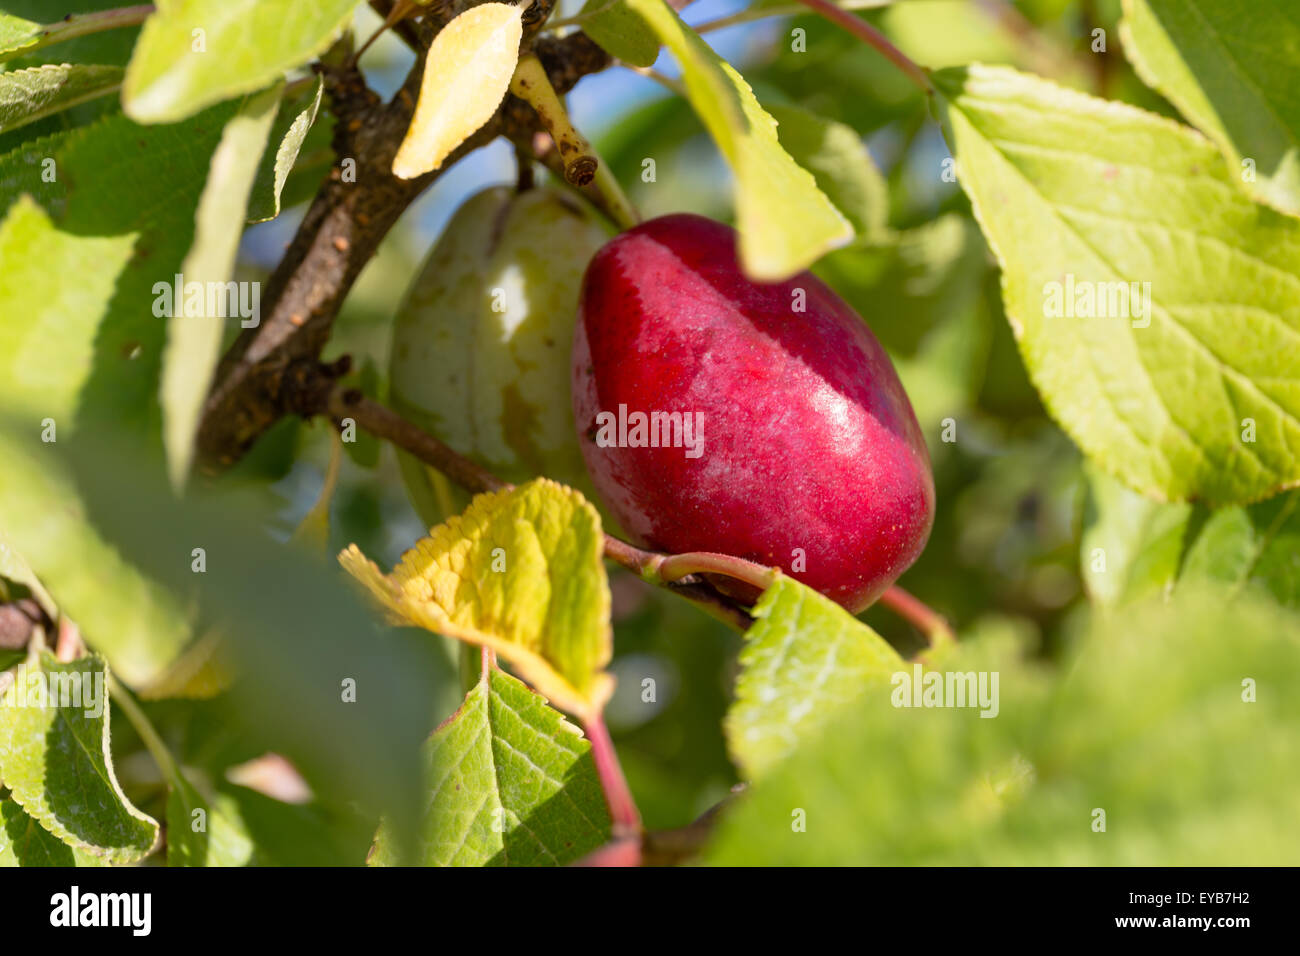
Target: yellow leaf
x=466 y=76
x=519 y=572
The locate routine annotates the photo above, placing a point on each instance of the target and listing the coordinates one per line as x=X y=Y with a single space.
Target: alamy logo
x=134 y=910
x=651 y=430
x=946 y=689
x=216 y=300
x=1083 y=299
x=73 y=690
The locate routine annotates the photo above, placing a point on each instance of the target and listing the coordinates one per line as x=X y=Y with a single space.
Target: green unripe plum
x=480 y=349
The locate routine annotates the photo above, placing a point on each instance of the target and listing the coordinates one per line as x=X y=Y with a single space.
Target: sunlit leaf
x=519 y=572
x=194 y=336
x=466 y=76
x=785 y=221
x=1182 y=378
x=804 y=658
x=55 y=760
x=1232 y=68
x=29 y=95
x=511 y=783
x=193 y=53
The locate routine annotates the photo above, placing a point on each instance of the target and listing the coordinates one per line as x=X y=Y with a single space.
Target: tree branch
x=255 y=382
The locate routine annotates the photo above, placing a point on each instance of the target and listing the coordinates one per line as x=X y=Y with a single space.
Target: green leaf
x=519 y=572
x=24 y=842
x=511 y=783
x=1250 y=550
x=16 y=35
x=907 y=283
x=785 y=221
x=47 y=333
x=89 y=352
x=84 y=31
x=294 y=122
x=804 y=658
x=620 y=31
x=55 y=759
x=1131 y=547
x=29 y=95
x=1079 y=195
x=314 y=679
x=246 y=45
x=128 y=617
x=194 y=335
x=1232 y=68
x=839 y=161
x=942 y=786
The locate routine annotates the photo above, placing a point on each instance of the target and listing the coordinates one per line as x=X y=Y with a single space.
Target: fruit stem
x=531 y=84
x=582 y=164
x=672 y=568
x=622 y=808
x=926 y=620
x=873 y=37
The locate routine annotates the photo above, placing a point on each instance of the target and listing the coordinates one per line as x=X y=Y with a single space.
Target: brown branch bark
x=261 y=378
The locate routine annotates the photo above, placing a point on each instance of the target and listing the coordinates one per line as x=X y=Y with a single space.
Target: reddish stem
x=674 y=567
x=622 y=808
x=870 y=35
x=928 y=621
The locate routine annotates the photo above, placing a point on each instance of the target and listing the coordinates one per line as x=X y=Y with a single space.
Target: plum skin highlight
x=811 y=456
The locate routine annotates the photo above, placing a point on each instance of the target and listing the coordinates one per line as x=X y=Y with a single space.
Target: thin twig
x=874 y=38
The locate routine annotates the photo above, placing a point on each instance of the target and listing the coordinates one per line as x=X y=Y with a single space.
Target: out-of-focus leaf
x=202 y=832
x=905 y=284
x=48 y=326
x=785 y=221
x=840 y=163
x=466 y=76
x=1131 y=546
x=1232 y=68
x=942 y=786
x=519 y=572
x=135 y=623
x=1085 y=198
x=804 y=658
x=194 y=53
x=1253 y=550
x=93 y=355
x=621 y=31
x=315 y=680
x=511 y=783
x=29 y=95
x=314 y=529
x=55 y=760
x=295 y=120
x=195 y=329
